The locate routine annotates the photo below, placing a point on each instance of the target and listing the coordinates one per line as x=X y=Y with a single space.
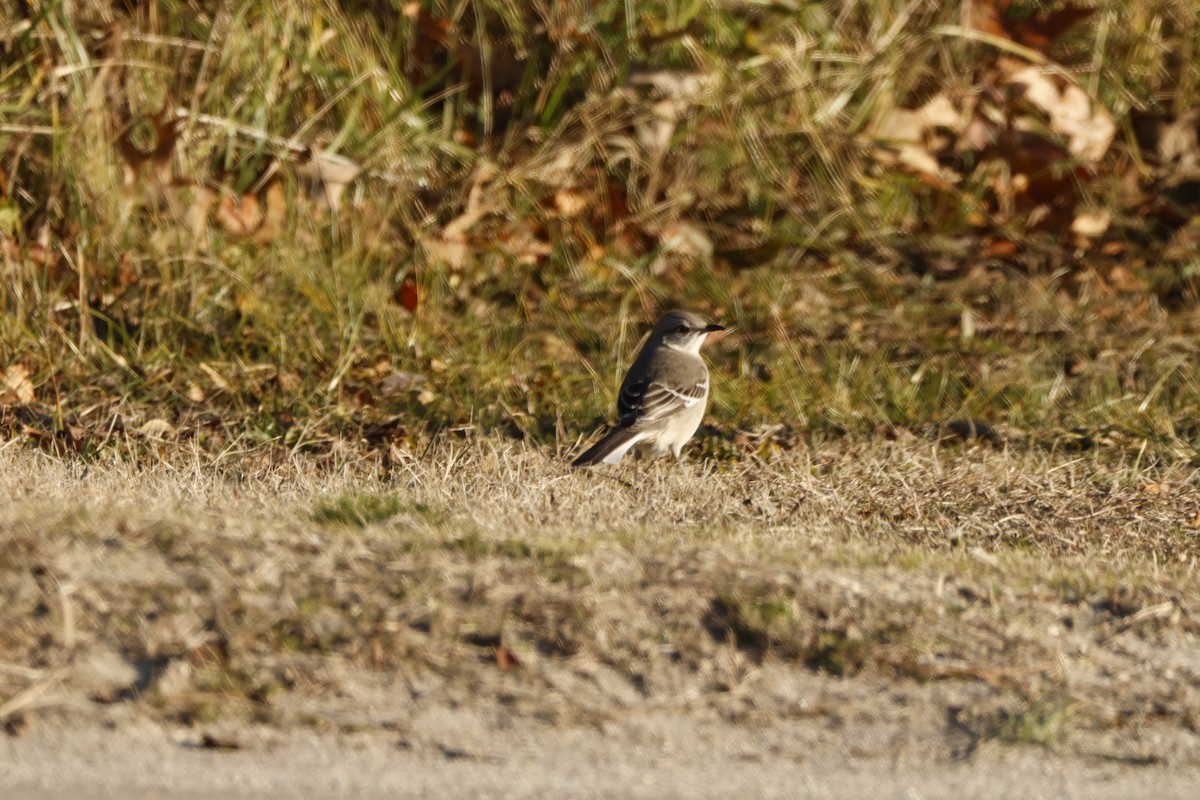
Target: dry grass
x=1017 y=597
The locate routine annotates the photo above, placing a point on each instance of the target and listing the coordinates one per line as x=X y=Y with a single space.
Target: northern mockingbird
x=664 y=394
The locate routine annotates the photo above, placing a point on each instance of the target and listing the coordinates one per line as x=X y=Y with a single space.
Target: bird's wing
x=642 y=403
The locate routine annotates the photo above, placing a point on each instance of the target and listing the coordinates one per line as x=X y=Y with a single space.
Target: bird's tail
x=609 y=449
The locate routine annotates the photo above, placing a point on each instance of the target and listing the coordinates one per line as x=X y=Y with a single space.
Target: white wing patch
x=616 y=455
x=641 y=406
x=688 y=400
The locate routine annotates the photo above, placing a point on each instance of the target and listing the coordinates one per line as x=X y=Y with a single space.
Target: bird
x=664 y=394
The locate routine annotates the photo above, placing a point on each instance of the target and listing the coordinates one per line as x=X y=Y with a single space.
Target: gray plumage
x=664 y=394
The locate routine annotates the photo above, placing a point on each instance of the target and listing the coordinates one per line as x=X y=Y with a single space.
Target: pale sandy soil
x=652 y=756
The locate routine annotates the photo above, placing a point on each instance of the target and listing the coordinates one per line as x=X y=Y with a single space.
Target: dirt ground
x=855 y=619
x=646 y=754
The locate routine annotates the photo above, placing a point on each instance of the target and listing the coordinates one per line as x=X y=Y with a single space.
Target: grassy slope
x=122 y=312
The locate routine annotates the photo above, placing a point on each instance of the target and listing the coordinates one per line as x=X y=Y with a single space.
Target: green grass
x=357 y=509
x=1042 y=722
x=846 y=280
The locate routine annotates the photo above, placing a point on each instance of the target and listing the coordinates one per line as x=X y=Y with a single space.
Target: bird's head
x=683 y=330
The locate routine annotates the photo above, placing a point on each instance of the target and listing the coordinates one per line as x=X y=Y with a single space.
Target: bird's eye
x=681 y=328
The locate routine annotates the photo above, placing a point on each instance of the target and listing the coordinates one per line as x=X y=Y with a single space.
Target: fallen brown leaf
x=1001 y=248
x=276 y=214
x=156 y=428
x=329 y=174
x=400 y=382
x=1042 y=29
x=406 y=293
x=1125 y=280
x=150 y=172
x=905 y=136
x=15 y=386
x=240 y=217
x=1088 y=127
x=1091 y=224
x=197 y=213
x=1038 y=32
x=570 y=202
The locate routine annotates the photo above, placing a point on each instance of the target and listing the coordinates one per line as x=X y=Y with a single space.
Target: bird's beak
x=713 y=328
